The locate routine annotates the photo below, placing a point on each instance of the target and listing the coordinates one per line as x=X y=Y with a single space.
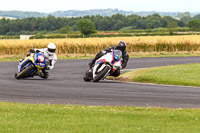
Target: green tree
x=102 y=23
x=85 y=26
x=148 y=25
x=185 y=14
x=197 y=16
x=65 y=30
x=194 y=24
x=38 y=36
x=171 y=27
x=186 y=19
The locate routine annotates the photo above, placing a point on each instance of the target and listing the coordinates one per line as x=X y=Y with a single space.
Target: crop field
x=88 y=46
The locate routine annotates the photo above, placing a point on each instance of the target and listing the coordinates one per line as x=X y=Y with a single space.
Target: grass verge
x=187 y=75
x=22 y=118
x=90 y=56
x=164 y=54
x=9 y=59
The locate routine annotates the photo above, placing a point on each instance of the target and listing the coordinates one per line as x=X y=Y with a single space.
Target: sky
x=49 y=6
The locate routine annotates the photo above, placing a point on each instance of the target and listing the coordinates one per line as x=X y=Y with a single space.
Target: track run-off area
x=65 y=85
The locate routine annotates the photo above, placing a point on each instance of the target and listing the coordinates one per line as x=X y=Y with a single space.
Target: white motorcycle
x=104 y=66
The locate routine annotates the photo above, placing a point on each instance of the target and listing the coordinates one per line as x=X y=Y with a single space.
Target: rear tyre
x=24 y=72
x=101 y=74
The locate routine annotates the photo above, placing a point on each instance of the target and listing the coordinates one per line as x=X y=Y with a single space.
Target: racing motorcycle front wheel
x=24 y=72
x=101 y=74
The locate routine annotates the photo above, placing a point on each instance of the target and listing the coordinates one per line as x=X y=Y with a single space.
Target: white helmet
x=51 y=48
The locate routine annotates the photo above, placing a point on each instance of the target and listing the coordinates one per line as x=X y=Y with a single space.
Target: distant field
x=7 y=17
x=88 y=46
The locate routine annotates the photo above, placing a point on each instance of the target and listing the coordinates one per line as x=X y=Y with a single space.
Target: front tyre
x=101 y=74
x=24 y=72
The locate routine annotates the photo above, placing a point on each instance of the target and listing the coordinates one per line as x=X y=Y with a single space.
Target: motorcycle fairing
x=37 y=59
x=109 y=59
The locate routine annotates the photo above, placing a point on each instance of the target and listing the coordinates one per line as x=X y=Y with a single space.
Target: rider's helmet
x=121 y=45
x=51 y=48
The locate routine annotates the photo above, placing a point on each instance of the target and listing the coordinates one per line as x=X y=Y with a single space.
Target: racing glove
x=30 y=51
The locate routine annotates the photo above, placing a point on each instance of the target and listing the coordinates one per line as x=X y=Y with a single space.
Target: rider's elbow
x=51 y=67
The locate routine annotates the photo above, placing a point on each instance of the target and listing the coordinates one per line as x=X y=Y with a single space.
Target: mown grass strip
x=7 y=58
x=23 y=118
x=59 y=58
x=187 y=75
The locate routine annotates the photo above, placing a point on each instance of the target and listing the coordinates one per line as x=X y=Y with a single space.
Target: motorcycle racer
x=49 y=54
x=121 y=45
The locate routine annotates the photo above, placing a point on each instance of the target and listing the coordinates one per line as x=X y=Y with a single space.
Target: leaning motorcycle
x=104 y=66
x=31 y=66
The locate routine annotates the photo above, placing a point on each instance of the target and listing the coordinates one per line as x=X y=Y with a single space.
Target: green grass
x=187 y=75
x=9 y=59
x=132 y=55
x=163 y=55
x=74 y=58
x=59 y=58
x=23 y=118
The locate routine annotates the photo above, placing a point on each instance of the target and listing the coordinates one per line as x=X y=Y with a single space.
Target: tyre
x=24 y=72
x=86 y=79
x=101 y=74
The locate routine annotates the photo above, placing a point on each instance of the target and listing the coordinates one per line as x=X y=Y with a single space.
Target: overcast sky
x=127 y=5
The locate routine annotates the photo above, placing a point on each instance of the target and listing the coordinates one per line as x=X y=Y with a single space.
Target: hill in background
x=79 y=13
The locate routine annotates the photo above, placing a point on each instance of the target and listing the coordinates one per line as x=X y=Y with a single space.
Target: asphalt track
x=66 y=86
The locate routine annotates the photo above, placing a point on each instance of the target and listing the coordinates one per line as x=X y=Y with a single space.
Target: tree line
x=101 y=23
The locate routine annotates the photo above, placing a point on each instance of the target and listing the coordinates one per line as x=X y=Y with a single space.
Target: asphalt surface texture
x=65 y=85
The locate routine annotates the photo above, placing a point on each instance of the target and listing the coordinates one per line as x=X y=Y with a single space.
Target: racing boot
x=116 y=73
x=46 y=75
x=43 y=74
x=88 y=76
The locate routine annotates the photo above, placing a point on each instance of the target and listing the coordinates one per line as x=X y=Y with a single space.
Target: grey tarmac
x=66 y=86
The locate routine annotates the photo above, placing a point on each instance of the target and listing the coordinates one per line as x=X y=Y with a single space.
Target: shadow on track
x=106 y=81
x=36 y=79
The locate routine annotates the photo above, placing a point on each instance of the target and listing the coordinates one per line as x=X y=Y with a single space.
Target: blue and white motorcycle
x=31 y=66
x=104 y=66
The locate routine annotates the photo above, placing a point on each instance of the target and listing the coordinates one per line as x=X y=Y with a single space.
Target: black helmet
x=121 y=45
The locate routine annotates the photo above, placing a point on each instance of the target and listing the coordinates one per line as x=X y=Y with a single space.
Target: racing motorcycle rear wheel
x=24 y=72
x=101 y=74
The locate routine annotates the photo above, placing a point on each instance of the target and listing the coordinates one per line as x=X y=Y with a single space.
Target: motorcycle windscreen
x=117 y=55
